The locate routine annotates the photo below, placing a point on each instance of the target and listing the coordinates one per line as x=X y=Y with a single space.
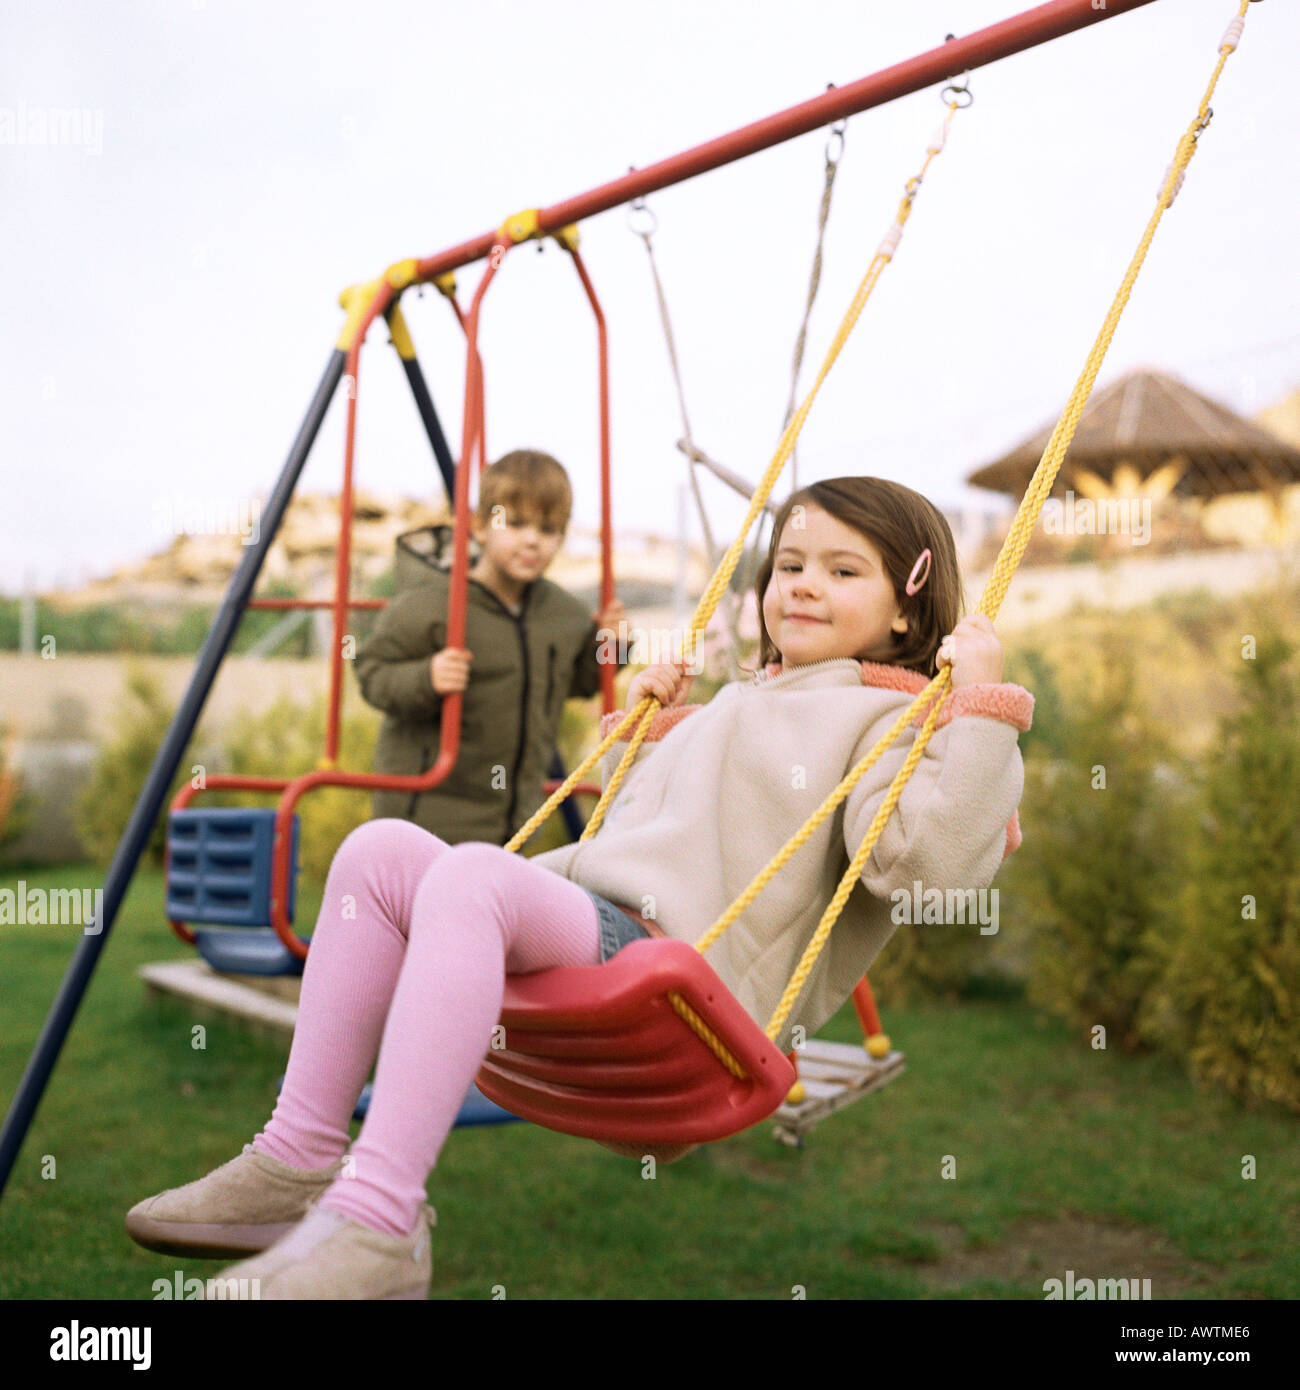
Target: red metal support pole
x=864 y=1005
x=478 y=367
x=456 y=613
x=608 y=669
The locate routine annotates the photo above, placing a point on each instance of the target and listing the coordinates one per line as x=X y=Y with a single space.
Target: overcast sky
x=173 y=261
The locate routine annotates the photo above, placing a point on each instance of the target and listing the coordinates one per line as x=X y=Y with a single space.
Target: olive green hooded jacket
x=524 y=668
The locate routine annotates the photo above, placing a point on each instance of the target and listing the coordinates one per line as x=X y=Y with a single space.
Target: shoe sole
x=210 y=1242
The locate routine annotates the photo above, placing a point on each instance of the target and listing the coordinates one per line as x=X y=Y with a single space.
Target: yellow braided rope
x=616 y=781
x=805 y=832
x=644 y=711
x=1013 y=547
x=1040 y=485
x=543 y=812
x=836 y=905
x=718 y=584
x=995 y=591
x=706 y=1035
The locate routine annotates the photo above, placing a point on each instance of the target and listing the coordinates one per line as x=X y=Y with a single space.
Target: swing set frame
x=381 y=297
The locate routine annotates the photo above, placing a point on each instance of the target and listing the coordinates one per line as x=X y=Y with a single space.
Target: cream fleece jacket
x=717 y=789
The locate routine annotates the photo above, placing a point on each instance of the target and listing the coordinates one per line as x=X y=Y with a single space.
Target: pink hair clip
x=915 y=585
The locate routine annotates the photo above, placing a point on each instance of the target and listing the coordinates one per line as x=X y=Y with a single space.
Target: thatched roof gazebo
x=1148 y=433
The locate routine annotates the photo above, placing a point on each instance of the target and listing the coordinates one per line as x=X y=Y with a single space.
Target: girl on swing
x=859 y=602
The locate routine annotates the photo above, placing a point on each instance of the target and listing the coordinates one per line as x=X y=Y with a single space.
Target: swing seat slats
x=602 y=1053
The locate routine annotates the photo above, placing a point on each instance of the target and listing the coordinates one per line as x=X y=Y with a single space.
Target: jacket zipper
x=523 y=705
x=523 y=727
x=424 y=767
x=764 y=679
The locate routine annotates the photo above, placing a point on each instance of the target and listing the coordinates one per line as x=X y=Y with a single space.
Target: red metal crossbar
x=1001 y=40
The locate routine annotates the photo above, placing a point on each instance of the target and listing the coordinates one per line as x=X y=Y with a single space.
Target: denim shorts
x=616 y=927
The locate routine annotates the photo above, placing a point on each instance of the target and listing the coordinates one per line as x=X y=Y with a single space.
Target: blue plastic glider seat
x=476 y=1109
x=219 y=872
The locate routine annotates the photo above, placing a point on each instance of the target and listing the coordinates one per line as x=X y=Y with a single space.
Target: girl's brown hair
x=901 y=524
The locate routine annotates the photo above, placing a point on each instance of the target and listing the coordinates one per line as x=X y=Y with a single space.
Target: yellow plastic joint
x=568 y=237
x=521 y=227
x=445 y=284
x=326 y=765
x=355 y=300
x=402 y=273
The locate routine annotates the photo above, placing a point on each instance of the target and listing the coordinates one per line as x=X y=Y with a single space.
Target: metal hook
x=959 y=87
x=835 y=140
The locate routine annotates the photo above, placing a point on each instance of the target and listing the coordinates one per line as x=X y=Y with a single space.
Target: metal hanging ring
x=641 y=219
x=957 y=88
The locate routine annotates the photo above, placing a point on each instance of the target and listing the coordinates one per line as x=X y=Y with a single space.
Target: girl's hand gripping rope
x=668 y=683
x=973 y=651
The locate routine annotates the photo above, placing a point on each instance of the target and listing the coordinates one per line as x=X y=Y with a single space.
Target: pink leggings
x=408 y=963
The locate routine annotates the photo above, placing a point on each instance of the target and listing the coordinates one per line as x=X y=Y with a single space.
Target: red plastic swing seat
x=599 y=1051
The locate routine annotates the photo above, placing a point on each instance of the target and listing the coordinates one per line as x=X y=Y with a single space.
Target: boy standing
x=530 y=646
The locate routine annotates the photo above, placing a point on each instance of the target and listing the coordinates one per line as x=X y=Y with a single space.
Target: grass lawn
x=1065 y=1159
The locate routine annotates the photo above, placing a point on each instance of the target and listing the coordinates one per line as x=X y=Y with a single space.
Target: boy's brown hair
x=901 y=524
x=528 y=482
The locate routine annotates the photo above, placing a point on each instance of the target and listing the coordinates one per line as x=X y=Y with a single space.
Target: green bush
x=1229 y=998
x=176 y=628
x=119 y=773
x=1046 y=736
x=1096 y=872
x=938 y=961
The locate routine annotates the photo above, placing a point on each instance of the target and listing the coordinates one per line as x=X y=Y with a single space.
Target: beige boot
x=331 y=1256
x=240 y=1208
